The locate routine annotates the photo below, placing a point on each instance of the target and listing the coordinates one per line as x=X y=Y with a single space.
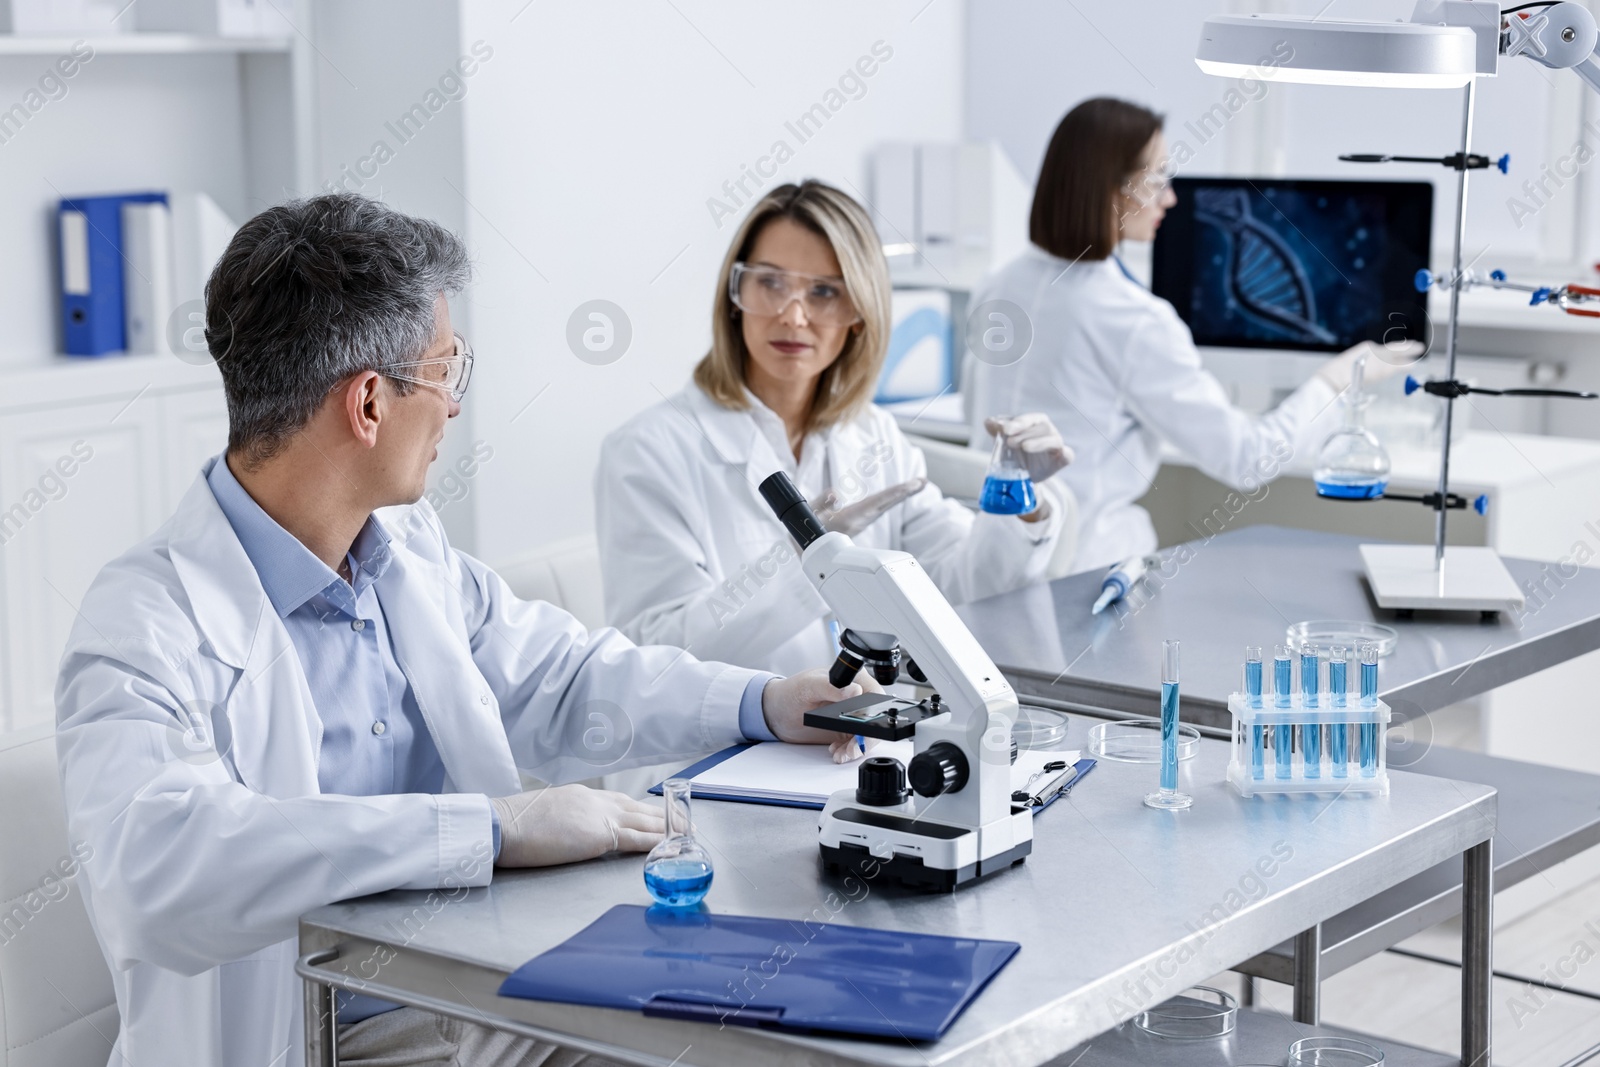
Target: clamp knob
x=1497 y=275
x=1481 y=504
x=1504 y=163
x=1412 y=385
x=941 y=769
x=1540 y=295
x=1423 y=280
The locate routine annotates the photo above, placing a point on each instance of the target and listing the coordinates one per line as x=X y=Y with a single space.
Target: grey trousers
x=410 y=1037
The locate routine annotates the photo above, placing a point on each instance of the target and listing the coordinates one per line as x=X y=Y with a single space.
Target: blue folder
x=91 y=281
x=795 y=975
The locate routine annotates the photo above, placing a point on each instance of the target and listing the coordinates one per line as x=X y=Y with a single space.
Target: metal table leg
x=1477 y=952
x=1308 y=976
x=322 y=1030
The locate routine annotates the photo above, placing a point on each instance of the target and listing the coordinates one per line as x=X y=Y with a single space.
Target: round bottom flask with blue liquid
x=678 y=871
x=1007 y=488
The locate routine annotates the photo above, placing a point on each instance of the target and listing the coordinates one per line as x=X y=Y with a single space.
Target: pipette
x=1118 y=580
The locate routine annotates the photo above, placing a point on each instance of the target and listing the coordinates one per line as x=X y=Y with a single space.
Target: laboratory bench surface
x=1245 y=587
x=1119 y=907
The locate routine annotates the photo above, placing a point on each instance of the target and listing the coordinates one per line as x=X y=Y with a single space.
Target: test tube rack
x=1270 y=746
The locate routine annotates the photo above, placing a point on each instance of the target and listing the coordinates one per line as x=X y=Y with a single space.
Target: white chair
x=564 y=573
x=959 y=471
x=56 y=1004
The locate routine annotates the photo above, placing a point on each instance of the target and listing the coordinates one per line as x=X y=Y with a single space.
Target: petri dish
x=1350 y=633
x=1138 y=741
x=1193 y=1015
x=1038 y=727
x=1334 y=1052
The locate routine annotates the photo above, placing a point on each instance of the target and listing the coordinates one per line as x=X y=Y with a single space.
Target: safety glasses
x=452 y=380
x=768 y=291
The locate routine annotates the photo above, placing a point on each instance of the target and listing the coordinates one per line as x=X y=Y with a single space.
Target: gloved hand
x=1383 y=361
x=785 y=701
x=567 y=823
x=1036 y=439
x=853 y=518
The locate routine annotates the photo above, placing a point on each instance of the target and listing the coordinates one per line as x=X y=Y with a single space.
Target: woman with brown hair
x=692 y=555
x=1111 y=363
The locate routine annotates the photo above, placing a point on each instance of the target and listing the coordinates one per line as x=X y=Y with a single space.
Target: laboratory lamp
x=1444 y=44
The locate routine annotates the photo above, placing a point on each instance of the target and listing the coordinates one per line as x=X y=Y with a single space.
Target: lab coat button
x=379 y=728
x=358 y=625
x=484 y=699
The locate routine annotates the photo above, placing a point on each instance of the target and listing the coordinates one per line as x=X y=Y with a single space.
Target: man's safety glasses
x=454 y=378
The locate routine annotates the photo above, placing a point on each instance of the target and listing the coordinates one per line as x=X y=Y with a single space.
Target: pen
x=862 y=741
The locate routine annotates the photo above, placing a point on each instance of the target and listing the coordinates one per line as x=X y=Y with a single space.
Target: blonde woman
x=691 y=554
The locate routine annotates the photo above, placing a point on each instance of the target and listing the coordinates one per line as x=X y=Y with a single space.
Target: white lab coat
x=202 y=865
x=1117 y=371
x=692 y=555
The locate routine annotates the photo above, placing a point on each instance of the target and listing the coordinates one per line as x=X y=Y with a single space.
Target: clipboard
x=795 y=975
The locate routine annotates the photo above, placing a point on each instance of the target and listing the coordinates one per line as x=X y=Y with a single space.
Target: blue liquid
x=1283 y=750
x=1338 y=683
x=1258 y=746
x=1369 y=750
x=678 y=883
x=1252 y=682
x=1338 y=749
x=1311 y=746
x=1008 y=496
x=1169 y=736
x=1309 y=679
x=1282 y=682
x=1369 y=685
x=1355 y=491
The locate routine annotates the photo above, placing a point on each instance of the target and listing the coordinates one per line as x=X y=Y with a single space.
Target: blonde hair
x=846 y=387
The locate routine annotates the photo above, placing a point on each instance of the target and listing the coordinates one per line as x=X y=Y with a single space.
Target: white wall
x=594 y=138
x=1029 y=61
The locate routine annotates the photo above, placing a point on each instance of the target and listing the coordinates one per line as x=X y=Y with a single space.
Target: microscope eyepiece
x=792 y=510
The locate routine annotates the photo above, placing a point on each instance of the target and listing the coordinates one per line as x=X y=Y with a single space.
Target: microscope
x=956 y=822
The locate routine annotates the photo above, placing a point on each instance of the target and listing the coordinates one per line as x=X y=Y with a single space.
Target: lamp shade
x=1323 y=51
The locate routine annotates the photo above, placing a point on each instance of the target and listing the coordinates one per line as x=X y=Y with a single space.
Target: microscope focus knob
x=940 y=769
x=881 y=782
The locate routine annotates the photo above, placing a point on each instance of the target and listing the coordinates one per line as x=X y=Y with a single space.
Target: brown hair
x=846 y=386
x=1093 y=152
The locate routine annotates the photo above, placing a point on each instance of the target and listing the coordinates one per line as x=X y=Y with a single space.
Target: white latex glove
x=1036 y=439
x=567 y=823
x=853 y=518
x=785 y=701
x=1384 y=361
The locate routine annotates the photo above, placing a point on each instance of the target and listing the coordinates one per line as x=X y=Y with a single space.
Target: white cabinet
x=93 y=457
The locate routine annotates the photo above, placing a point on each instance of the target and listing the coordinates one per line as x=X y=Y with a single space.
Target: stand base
x=1470 y=579
x=1168 y=801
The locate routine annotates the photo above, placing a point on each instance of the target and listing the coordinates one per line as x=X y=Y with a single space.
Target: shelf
x=140 y=44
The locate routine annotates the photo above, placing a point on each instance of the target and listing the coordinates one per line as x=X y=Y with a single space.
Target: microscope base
x=912 y=871
x=918 y=852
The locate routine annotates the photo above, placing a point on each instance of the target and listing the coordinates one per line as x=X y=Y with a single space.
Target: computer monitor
x=1296 y=264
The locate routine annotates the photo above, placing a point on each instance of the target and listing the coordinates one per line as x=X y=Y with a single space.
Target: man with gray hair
x=296 y=692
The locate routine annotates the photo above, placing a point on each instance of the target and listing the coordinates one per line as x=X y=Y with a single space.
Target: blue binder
x=90 y=229
x=795 y=975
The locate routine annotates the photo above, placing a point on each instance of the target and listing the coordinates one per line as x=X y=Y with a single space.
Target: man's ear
x=362 y=400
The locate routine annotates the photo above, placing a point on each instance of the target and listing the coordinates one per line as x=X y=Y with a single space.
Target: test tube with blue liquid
x=1168 y=796
x=1339 y=697
x=1252 y=690
x=1311 y=732
x=1007 y=488
x=1369 y=699
x=1282 y=697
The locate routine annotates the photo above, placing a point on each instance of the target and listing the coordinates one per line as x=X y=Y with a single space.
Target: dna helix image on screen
x=1261 y=273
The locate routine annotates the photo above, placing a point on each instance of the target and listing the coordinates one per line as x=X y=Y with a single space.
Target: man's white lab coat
x=189 y=746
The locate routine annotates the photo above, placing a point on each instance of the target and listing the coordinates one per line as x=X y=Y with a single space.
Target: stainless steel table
x=1245 y=587
x=1118 y=908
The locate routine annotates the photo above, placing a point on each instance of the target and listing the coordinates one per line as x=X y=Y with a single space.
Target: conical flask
x=1353 y=464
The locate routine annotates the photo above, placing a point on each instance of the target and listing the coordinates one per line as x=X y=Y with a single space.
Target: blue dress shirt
x=374 y=739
